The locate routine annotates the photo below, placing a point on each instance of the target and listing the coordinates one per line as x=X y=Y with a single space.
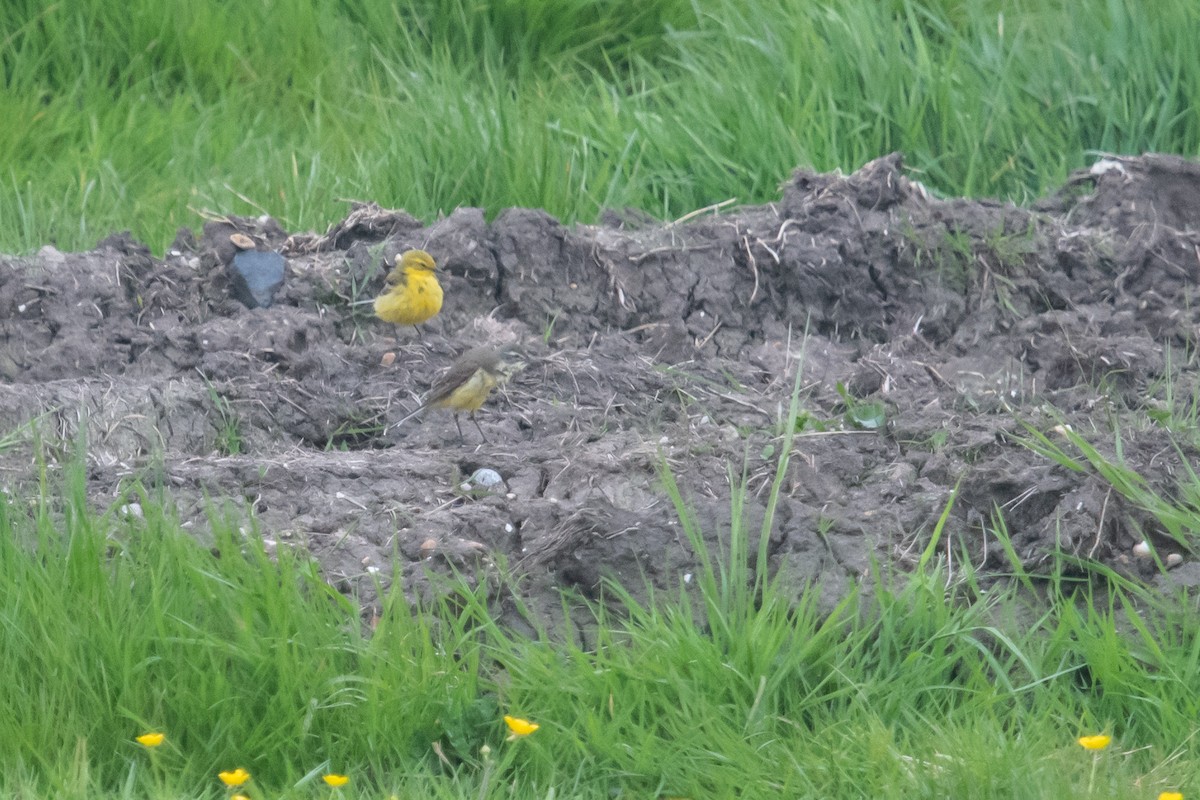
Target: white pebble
x=486 y=477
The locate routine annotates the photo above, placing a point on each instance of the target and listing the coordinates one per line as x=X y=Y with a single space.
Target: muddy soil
x=931 y=336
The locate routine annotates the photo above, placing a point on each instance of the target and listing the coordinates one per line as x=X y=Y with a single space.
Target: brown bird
x=469 y=382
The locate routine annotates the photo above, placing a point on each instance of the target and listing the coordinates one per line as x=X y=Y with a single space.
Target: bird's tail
x=414 y=413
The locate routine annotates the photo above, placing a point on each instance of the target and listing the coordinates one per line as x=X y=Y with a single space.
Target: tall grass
x=115 y=624
x=139 y=115
x=116 y=621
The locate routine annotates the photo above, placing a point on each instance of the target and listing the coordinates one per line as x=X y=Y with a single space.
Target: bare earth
x=648 y=345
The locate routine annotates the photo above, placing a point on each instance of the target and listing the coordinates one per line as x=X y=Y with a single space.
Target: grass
x=1178 y=516
x=905 y=689
x=141 y=115
x=920 y=685
x=228 y=438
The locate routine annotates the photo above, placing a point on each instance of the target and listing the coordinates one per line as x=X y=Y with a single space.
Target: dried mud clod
x=966 y=324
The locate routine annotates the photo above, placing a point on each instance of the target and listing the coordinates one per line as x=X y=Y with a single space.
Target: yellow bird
x=469 y=382
x=413 y=295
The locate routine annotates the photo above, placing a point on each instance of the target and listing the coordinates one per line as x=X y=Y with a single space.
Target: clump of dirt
x=649 y=346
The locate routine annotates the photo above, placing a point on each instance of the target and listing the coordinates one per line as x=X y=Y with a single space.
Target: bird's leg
x=461 y=439
x=481 y=436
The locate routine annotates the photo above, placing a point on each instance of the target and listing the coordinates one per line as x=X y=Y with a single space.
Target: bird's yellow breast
x=415 y=299
x=470 y=395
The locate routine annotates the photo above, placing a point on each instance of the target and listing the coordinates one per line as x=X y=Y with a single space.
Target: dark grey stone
x=255 y=276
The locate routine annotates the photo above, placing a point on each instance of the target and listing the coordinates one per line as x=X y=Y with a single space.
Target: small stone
x=486 y=478
x=428 y=548
x=241 y=241
x=255 y=277
x=1174 y=560
x=1142 y=549
x=387 y=360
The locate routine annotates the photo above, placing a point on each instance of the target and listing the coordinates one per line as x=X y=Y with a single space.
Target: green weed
x=1179 y=514
x=228 y=440
x=140 y=116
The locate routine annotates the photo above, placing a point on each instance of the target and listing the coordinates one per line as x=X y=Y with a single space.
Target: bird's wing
x=396 y=277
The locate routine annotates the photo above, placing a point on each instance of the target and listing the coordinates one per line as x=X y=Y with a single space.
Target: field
x=139 y=116
x=814 y=483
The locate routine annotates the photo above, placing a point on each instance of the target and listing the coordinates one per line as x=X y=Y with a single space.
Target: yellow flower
x=520 y=727
x=151 y=739
x=335 y=780
x=1097 y=742
x=239 y=797
x=1171 y=796
x=235 y=778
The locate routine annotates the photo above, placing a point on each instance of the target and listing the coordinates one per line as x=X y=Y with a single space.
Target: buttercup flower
x=1171 y=796
x=1097 y=742
x=235 y=778
x=239 y=797
x=151 y=739
x=335 y=780
x=520 y=727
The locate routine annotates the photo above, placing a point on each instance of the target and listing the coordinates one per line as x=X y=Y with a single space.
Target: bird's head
x=511 y=360
x=416 y=260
